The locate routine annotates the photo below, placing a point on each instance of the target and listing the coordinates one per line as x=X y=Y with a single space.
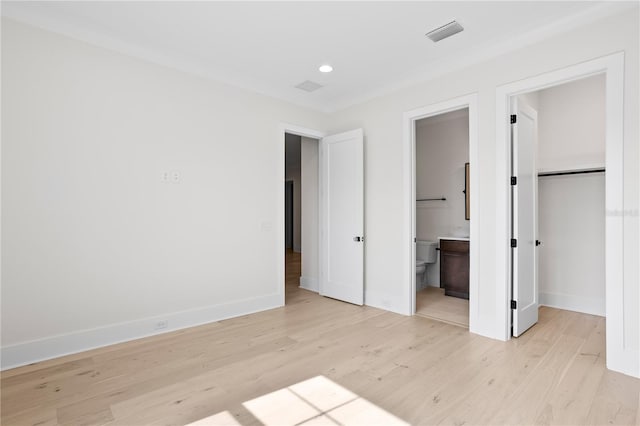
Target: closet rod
x=579 y=172
x=432 y=199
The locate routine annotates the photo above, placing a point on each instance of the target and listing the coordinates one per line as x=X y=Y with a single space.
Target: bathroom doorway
x=441 y=150
x=442 y=217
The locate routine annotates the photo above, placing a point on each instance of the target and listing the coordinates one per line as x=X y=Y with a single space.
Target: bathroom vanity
x=454 y=266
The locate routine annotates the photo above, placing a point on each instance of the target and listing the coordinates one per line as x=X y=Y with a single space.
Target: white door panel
x=342 y=245
x=524 y=217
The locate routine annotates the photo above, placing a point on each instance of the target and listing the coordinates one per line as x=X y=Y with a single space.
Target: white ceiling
x=269 y=47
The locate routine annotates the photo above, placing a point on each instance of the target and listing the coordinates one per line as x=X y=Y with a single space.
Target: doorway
x=558 y=200
x=442 y=217
x=462 y=233
x=619 y=357
x=332 y=242
x=300 y=214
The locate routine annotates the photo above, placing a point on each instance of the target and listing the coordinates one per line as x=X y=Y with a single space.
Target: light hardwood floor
x=322 y=361
x=432 y=303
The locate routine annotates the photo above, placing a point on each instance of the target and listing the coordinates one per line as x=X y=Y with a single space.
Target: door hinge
x=514 y=304
x=513 y=118
x=514 y=180
x=514 y=242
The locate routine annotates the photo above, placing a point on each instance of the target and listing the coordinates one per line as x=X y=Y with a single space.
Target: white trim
x=572 y=302
x=409 y=183
x=293 y=129
x=619 y=357
x=65 y=344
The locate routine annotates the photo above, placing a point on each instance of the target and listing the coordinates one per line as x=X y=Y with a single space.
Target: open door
x=524 y=191
x=341 y=239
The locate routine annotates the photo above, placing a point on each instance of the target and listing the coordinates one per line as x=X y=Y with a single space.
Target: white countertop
x=454 y=238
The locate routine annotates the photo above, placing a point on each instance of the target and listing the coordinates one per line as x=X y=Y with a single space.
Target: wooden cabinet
x=454 y=268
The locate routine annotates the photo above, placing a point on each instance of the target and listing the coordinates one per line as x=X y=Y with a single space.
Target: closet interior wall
x=571 y=206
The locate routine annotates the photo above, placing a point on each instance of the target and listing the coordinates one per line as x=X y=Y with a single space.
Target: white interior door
x=342 y=239
x=524 y=134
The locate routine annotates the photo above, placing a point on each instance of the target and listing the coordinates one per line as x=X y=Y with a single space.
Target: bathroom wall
x=571 y=209
x=442 y=149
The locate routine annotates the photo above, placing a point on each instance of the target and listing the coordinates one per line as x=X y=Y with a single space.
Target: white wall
x=571 y=228
x=442 y=149
x=571 y=209
x=96 y=247
x=572 y=125
x=385 y=197
x=310 y=238
x=292 y=173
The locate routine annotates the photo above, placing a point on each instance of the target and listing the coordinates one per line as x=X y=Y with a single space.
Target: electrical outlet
x=172 y=176
x=161 y=325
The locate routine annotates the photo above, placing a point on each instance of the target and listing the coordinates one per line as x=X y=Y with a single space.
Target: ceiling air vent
x=308 y=86
x=445 y=31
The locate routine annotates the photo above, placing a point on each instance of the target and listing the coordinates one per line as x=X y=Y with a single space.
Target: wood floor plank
x=432 y=303
x=615 y=403
x=402 y=369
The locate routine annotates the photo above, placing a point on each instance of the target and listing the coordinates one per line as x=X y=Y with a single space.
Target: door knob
x=358 y=239
x=538 y=242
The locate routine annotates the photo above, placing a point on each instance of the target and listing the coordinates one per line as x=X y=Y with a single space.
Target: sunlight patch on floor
x=221 y=419
x=317 y=401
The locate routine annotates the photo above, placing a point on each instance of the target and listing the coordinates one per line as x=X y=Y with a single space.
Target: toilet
x=425 y=254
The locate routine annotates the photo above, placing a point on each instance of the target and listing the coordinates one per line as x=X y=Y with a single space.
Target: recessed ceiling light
x=325 y=68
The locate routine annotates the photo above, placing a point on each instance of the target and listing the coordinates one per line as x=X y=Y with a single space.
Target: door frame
x=613 y=68
x=410 y=118
x=280 y=178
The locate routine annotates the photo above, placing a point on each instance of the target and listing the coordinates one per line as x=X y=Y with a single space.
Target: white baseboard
x=586 y=305
x=310 y=284
x=65 y=344
x=384 y=301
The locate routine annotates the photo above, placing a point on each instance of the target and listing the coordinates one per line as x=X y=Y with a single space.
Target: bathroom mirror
x=467 y=202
